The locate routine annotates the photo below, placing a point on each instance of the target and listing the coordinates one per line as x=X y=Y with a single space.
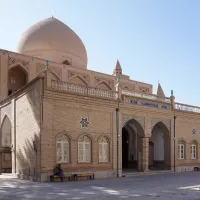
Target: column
x=145 y=154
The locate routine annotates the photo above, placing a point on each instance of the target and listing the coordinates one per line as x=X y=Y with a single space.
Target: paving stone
x=168 y=186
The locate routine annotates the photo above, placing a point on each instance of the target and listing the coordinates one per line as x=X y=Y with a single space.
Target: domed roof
x=53 y=40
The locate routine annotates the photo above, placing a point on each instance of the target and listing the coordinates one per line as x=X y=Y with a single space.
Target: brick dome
x=51 y=39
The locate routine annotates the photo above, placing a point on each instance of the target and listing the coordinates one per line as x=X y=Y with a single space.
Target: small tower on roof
x=160 y=92
x=118 y=69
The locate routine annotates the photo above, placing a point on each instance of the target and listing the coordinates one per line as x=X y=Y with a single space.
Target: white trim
x=181 y=151
x=64 y=153
x=193 y=151
x=86 y=153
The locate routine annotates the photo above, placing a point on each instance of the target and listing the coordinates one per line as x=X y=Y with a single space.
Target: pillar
x=145 y=154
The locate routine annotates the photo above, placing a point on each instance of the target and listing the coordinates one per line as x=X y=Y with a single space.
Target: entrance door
x=125 y=147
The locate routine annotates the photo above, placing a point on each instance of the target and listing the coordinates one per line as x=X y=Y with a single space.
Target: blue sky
x=153 y=39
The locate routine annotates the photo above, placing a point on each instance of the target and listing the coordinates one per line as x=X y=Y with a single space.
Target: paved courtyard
x=167 y=186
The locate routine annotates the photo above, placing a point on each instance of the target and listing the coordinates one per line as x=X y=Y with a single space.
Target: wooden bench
x=53 y=178
x=196 y=168
x=87 y=175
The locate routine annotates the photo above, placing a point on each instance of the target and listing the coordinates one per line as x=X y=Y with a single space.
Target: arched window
x=181 y=150
x=66 y=62
x=103 y=149
x=84 y=149
x=62 y=147
x=193 y=150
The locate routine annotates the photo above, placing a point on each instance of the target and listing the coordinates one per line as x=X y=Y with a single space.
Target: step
x=146 y=173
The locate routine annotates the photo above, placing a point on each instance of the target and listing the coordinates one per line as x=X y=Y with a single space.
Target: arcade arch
x=159 y=147
x=132 y=132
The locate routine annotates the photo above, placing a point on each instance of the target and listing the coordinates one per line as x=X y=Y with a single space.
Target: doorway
x=125 y=148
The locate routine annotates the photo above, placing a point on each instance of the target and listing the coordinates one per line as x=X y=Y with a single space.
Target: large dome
x=51 y=39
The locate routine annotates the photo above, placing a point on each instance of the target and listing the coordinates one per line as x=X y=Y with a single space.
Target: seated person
x=58 y=172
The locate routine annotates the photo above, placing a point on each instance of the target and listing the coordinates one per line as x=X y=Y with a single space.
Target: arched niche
x=66 y=62
x=17 y=78
x=103 y=85
x=160 y=138
x=6 y=132
x=78 y=80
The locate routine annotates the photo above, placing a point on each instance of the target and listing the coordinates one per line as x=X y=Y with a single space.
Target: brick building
x=54 y=110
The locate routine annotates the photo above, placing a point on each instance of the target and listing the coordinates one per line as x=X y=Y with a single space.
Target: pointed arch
x=17 y=77
x=78 y=80
x=5 y=136
x=126 y=88
x=181 y=141
x=18 y=64
x=161 y=152
x=103 y=135
x=3 y=119
x=138 y=119
x=66 y=62
x=64 y=132
x=83 y=134
x=103 y=85
x=137 y=124
x=162 y=125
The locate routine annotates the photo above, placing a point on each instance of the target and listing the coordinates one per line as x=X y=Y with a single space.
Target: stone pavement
x=184 y=186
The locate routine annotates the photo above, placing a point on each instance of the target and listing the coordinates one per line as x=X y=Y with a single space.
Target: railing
x=147 y=96
x=87 y=91
x=188 y=108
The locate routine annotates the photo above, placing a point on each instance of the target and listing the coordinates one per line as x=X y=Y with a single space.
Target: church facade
x=54 y=110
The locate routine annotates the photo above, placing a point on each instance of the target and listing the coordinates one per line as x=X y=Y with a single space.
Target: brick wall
x=185 y=123
x=62 y=114
x=28 y=130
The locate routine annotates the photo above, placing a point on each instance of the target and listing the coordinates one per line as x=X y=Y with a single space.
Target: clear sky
x=154 y=40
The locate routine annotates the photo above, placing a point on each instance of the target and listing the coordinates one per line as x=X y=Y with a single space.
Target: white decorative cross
x=84 y=122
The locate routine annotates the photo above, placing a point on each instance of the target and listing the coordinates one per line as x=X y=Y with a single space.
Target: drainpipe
x=174 y=138
x=174 y=143
x=117 y=122
x=117 y=126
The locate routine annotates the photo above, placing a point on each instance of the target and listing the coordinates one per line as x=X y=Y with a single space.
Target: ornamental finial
x=47 y=64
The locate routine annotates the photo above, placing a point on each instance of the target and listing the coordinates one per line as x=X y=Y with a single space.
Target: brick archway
x=132 y=145
x=159 y=156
